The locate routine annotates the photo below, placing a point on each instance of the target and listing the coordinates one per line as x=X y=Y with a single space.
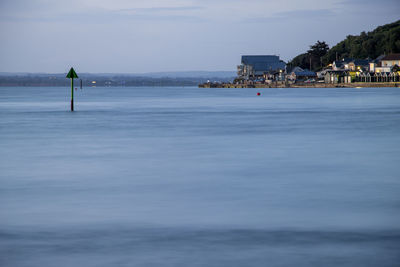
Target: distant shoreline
x=116 y=80
x=300 y=85
x=222 y=85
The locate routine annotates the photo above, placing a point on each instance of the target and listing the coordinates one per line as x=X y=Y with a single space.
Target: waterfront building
x=359 y=65
x=299 y=74
x=338 y=76
x=373 y=64
x=385 y=68
x=391 y=60
x=386 y=63
x=342 y=64
x=255 y=67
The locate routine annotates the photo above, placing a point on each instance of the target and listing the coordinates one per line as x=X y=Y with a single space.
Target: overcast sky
x=130 y=36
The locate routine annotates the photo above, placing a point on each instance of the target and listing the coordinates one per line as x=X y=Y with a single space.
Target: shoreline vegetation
x=383 y=40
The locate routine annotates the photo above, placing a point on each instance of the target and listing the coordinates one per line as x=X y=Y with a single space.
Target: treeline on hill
x=383 y=40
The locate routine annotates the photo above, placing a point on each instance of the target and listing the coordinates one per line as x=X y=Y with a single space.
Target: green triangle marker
x=72 y=74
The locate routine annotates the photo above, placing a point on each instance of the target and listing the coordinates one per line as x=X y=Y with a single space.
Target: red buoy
x=258 y=93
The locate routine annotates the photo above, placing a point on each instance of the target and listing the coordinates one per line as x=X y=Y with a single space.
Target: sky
x=130 y=36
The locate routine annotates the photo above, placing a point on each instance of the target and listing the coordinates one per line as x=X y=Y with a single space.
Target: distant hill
x=383 y=40
x=190 y=74
x=176 y=74
x=188 y=78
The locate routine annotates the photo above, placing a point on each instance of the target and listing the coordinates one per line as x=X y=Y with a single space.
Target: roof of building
x=305 y=73
x=391 y=57
x=264 y=63
x=338 y=63
x=295 y=69
x=347 y=60
x=360 y=62
x=378 y=59
x=259 y=59
x=343 y=61
x=336 y=71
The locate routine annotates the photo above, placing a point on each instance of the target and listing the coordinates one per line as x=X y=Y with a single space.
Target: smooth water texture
x=200 y=177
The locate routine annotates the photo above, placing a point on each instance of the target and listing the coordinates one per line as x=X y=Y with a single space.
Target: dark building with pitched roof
x=254 y=67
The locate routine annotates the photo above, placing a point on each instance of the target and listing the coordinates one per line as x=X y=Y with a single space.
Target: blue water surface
x=199 y=177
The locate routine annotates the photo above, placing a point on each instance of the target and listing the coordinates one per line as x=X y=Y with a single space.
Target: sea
x=186 y=176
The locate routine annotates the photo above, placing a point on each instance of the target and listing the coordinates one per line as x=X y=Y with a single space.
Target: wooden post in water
x=72 y=94
x=71 y=75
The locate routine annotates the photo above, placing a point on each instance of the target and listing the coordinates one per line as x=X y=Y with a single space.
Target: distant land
x=183 y=78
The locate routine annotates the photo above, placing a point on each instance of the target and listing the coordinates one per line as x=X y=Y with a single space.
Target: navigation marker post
x=71 y=75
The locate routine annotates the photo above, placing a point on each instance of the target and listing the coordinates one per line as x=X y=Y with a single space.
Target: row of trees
x=383 y=40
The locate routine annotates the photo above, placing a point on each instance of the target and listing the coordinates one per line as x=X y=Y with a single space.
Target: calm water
x=200 y=177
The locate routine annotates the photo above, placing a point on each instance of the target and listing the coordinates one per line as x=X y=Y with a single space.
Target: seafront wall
x=300 y=85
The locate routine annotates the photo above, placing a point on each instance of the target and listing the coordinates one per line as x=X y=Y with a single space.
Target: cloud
x=101 y=19
x=293 y=14
x=369 y=2
x=97 y=15
x=173 y=13
x=162 y=9
x=371 y=7
x=90 y=11
x=386 y=9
